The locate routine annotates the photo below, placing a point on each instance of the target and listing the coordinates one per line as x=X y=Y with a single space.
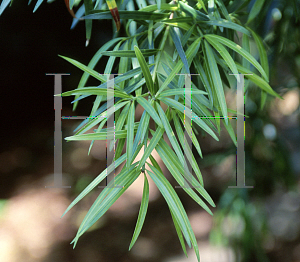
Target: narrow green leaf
x=179 y=234
x=201 y=4
x=96 y=182
x=130 y=133
x=216 y=80
x=102 y=135
x=142 y=212
x=107 y=197
x=218 y=122
x=181 y=91
x=204 y=81
x=119 y=149
x=97 y=131
x=180 y=134
x=172 y=200
x=155 y=139
x=145 y=69
x=190 y=53
x=130 y=53
x=92 y=64
x=155 y=164
x=223 y=9
x=180 y=107
x=227 y=24
x=257 y=80
x=151 y=8
x=143 y=126
x=172 y=163
x=189 y=155
x=199 y=16
x=150 y=110
x=239 y=50
x=85 y=68
x=123 y=116
x=170 y=133
x=179 y=48
x=263 y=60
x=88 y=5
x=101 y=117
x=255 y=10
x=95 y=91
x=226 y=56
x=176 y=206
x=246 y=46
x=98 y=136
x=123 y=65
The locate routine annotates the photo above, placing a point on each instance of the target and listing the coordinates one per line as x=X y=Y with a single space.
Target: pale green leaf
x=96 y=182
x=150 y=110
x=170 y=133
x=155 y=139
x=142 y=212
x=257 y=80
x=130 y=133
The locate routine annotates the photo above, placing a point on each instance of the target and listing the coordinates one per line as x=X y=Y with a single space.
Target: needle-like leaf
x=142 y=212
x=239 y=50
x=130 y=133
x=150 y=110
x=145 y=69
x=216 y=80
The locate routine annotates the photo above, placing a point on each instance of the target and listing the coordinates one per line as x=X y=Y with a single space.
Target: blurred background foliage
x=260 y=224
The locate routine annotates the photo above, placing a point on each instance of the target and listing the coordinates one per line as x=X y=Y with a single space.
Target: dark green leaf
x=255 y=10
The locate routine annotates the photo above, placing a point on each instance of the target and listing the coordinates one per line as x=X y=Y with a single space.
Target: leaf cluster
x=163 y=44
